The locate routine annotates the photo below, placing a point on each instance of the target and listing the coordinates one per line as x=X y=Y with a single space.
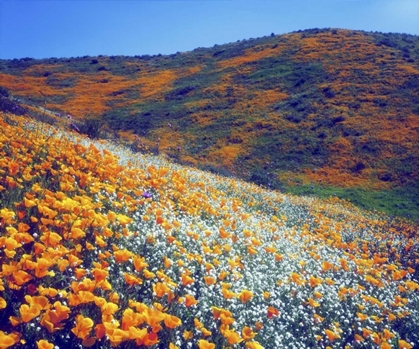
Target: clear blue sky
x=61 y=28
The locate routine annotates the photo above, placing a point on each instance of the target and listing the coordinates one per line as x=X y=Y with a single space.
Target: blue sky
x=61 y=28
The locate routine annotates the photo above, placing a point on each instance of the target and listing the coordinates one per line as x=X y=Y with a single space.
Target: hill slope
x=317 y=111
x=104 y=248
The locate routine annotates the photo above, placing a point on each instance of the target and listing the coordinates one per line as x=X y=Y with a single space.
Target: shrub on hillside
x=4 y=92
x=90 y=126
x=7 y=104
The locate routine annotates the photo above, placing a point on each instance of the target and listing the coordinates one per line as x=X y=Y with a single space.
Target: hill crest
x=307 y=109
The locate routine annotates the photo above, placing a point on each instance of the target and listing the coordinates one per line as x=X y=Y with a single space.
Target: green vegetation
x=402 y=201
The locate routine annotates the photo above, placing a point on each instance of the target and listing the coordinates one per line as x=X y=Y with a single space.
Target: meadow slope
x=317 y=111
x=101 y=247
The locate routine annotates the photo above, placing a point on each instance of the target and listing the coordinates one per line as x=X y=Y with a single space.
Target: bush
x=9 y=106
x=329 y=93
x=90 y=126
x=4 y=92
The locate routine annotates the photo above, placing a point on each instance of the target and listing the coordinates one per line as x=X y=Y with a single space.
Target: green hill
x=320 y=112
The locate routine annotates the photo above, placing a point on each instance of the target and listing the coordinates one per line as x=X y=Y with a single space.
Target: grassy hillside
x=101 y=247
x=318 y=111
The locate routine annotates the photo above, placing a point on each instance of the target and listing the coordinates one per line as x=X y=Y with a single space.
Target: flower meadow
x=102 y=248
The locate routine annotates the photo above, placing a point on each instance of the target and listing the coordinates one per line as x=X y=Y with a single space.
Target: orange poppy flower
x=226 y=319
x=51 y=320
x=270 y=249
x=77 y=233
x=187 y=280
x=361 y=316
x=43 y=344
x=223 y=275
x=122 y=255
x=132 y=279
x=167 y=262
x=402 y=344
x=232 y=336
x=197 y=323
x=411 y=285
x=131 y=319
x=223 y=233
x=271 y=312
x=203 y=344
x=62 y=311
x=358 y=338
x=15 y=320
x=11 y=244
x=253 y=345
x=331 y=335
x=116 y=336
x=80 y=273
x=152 y=337
x=29 y=312
x=296 y=278
x=160 y=289
x=21 y=277
x=398 y=275
x=188 y=335
x=83 y=326
x=376 y=338
x=318 y=318
x=205 y=332
x=388 y=334
x=100 y=242
x=330 y=281
x=313 y=303
x=314 y=281
x=99 y=274
x=366 y=332
x=153 y=316
x=100 y=331
x=172 y=321
x=327 y=265
x=51 y=239
x=228 y=294
x=23 y=228
x=209 y=266
x=190 y=300
x=38 y=248
x=209 y=280
x=137 y=334
x=40 y=301
x=3 y=303
x=109 y=308
x=7 y=216
x=247 y=333
x=245 y=296
x=217 y=312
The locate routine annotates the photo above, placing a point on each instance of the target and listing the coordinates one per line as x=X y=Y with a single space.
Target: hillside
x=105 y=248
x=315 y=112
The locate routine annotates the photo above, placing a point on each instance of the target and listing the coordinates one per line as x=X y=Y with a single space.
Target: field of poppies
x=101 y=248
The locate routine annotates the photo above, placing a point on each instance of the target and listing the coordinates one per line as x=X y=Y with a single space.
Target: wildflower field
x=101 y=248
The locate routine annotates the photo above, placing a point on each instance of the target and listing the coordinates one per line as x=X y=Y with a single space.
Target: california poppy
x=83 y=326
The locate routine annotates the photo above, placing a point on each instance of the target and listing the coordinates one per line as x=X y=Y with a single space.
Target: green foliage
x=401 y=201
